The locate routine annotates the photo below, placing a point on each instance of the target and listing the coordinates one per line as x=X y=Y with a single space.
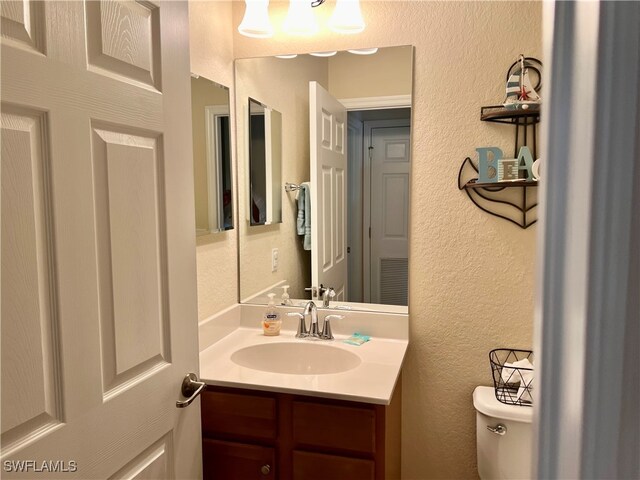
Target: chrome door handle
x=191 y=388
x=499 y=429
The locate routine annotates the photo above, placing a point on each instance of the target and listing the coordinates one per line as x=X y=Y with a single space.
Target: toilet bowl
x=503 y=437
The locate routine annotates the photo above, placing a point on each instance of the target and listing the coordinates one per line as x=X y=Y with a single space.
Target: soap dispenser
x=285 y=299
x=271 y=323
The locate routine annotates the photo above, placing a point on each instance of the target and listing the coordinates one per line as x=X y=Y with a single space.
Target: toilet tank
x=506 y=456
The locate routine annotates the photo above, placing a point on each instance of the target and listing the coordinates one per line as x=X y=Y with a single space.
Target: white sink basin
x=296 y=358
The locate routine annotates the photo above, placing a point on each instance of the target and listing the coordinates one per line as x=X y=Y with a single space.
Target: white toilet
x=503 y=437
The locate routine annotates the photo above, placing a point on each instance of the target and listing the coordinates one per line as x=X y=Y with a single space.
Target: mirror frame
x=253 y=299
x=217 y=178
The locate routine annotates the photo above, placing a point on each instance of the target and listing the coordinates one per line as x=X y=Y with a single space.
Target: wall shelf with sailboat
x=505 y=187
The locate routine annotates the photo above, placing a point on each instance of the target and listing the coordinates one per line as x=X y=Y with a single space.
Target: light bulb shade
x=347 y=17
x=324 y=54
x=300 y=18
x=364 y=51
x=255 y=22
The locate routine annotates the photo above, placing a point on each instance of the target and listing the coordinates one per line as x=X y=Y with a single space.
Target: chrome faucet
x=322 y=292
x=312 y=310
x=314 y=332
x=327 y=295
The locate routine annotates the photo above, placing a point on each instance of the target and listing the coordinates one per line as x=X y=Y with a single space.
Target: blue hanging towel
x=303 y=224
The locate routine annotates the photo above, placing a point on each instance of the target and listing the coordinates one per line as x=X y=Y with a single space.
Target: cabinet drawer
x=237 y=461
x=334 y=427
x=317 y=466
x=250 y=416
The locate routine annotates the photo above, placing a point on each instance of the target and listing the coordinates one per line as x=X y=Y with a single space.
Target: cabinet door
x=317 y=466
x=248 y=416
x=342 y=429
x=237 y=461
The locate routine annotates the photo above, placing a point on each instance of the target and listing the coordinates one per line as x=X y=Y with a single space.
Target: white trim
x=355 y=202
x=214 y=165
x=376 y=103
x=247 y=158
x=584 y=305
x=268 y=168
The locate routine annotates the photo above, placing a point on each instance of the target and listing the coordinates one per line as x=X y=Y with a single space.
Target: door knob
x=265 y=469
x=191 y=388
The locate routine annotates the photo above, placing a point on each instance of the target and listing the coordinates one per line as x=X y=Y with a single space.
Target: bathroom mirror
x=264 y=133
x=346 y=124
x=211 y=156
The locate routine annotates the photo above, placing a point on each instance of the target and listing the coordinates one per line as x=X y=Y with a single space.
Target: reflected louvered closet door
x=390 y=169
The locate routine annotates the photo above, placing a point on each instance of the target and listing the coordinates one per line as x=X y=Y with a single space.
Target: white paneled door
x=389 y=215
x=99 y=322
x=328 y=190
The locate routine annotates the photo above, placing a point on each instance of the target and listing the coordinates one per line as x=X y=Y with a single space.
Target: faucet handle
x=313 y=290
x=327 y=295
x=331 y=292
x=302 y=326
x=326 y=327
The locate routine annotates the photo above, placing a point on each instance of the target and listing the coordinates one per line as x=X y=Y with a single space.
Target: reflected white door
x=99 y=320
x=389 y=216
x=328 y=190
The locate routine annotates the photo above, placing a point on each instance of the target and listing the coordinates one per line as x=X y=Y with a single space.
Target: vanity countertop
x=372 y=381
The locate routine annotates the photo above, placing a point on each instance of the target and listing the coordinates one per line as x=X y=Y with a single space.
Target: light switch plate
x=274 y=260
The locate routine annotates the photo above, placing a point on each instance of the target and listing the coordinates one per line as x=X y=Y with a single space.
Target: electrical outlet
x=274 y=260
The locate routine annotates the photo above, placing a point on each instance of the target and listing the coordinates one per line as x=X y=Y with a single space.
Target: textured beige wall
x=471 y=275
x=204 y=93
x=284 y=86
x=211 y=48
x=382 y=74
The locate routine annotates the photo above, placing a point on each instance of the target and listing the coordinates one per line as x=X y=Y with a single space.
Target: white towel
x=515 y=373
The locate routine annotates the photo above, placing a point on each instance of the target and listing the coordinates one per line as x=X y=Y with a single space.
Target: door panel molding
x=30 y=321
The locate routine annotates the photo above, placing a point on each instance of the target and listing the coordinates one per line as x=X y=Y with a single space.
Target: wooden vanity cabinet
x=250 y=435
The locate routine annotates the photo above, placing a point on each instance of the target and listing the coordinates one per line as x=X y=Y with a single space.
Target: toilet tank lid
x=485 y=401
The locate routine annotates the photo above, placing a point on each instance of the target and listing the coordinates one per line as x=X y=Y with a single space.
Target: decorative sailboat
x=521 y=95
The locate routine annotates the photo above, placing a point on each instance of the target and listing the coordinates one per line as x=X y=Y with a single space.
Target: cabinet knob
x=265 y=469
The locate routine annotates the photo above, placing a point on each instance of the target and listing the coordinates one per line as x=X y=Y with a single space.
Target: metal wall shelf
x=503 y=199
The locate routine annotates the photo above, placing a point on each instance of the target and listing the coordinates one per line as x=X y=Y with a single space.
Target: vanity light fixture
x=300 y=18
x=364 y=51
x=293 y=55
x=323 y=54
x=256 y=23
x=347 y=17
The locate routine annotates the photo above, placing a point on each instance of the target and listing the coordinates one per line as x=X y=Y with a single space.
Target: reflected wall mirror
x=211 y=156
x=264 y=132
x=345 y=177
